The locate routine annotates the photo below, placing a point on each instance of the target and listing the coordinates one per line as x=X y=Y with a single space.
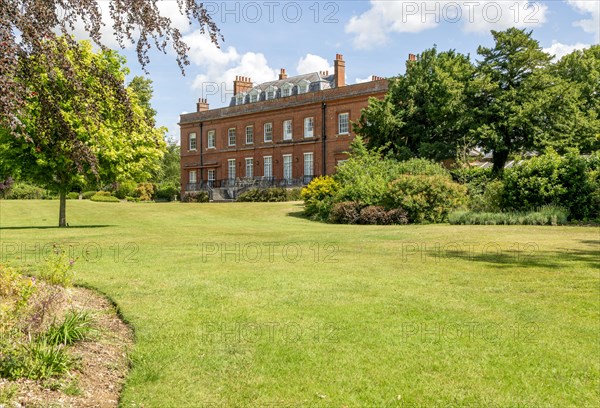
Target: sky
x=375 y=38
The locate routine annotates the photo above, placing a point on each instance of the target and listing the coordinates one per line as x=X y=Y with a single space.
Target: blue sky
x=375 y=38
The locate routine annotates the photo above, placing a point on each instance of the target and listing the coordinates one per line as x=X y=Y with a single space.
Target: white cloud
x=168 y=9
x=589 y=25
x=560 y=50
x=221 y=66
x=500 y=15
x=373 y=27
x=313 y=63
x=362 y=80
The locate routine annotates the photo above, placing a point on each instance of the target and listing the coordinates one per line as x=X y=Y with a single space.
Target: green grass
x=382 y=316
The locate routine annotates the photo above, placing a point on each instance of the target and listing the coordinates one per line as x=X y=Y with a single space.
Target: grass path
x=248 y=304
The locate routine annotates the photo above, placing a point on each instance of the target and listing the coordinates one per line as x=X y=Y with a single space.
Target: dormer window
x=240 y=98
x=286 y=90
x=303 y=86
x=254 y=95
x=271 y=92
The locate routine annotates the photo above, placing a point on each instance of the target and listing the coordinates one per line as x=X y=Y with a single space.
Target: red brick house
x=279 y=133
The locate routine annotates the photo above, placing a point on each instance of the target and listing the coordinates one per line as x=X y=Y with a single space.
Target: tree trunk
x=500 y=158
x=62 y=212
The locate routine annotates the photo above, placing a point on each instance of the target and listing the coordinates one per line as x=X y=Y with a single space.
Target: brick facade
x=322 y=106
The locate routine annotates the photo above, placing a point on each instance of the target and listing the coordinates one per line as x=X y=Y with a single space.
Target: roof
x=315 y=81
x=364 y=89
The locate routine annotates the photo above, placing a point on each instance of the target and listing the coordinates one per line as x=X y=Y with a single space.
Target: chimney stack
x=202 y=105
x=282 y=74
x=340 y=70
x=412 y=57
x=376 y=78
x=241 y=84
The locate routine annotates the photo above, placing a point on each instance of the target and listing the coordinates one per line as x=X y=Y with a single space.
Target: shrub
x=373 y=215
x=86 y=195
x=105 y=197
x=124 y=189
x=319 y=189
x=15 y=293
x=347 y=212
x=425 y=198
x=489 y=200
x=132 y=199
x=144 y=191
x=548 y=215
x=73 y=196
x=420 y=166
x=569 y=181
x=24 y=191
x=263 y=195
x=195 y=197
x=397 y=216
x=293 y=194
x=167 y=192
x=57 y=268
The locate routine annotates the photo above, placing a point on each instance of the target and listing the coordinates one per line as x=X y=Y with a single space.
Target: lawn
x=247 y=304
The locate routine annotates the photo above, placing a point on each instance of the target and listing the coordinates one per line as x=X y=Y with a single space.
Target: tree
x=168 y=172
x=425 y=112
x=142 y=87
x=506 y=94
x=26 y=25
x=575 y=101
x=64 y=148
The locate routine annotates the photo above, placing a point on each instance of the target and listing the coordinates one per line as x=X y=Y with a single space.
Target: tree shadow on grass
x=55 y=227
x=530 y=257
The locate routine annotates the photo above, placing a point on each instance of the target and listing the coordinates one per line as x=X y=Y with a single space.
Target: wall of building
x=350 y=99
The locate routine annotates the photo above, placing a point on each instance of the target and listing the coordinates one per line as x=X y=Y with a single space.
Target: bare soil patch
x=102 y=362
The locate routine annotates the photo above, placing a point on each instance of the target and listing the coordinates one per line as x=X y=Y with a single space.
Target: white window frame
x=240 y=98
x=287 y=158
x=268 y=132
x=229 y=136
x=268 y=166
x=254 y=95
x=193 y=176
x=312 y=163
x=249 y=166
x=250 y=139
x=286 y=90
x=309 y=127
x=303 y=86
x=192 y=137
x=346 y=123
x=231 y=169
x=212 y=139
x=270 y=93
x=287 y=129
x=211 y=176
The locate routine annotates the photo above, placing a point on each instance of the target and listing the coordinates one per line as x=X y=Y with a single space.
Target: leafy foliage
x=25 y=191
x=263 y=195
x=319 y=189
x=425 y=112
x=25 y=27
x=101 y=198
x=75 y=327
x=346 y=212
x=57 y=268
x=570 y=181
x=195 y=197
x=62 y=149
x=425 y=198
x=548 y=215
